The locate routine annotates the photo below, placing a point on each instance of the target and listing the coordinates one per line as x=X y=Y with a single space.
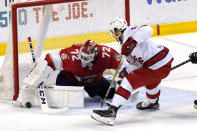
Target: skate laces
x=112 y=108
x=146 y=102
x=109 y=104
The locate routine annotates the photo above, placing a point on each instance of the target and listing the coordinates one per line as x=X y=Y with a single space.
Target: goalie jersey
x=68 y=62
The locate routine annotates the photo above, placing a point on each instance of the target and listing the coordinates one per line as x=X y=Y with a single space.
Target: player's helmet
x=88 y=52
x=119 y=24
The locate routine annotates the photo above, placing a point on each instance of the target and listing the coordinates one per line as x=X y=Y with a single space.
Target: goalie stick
x=43 y=101
x=32 y=51
x=41 y=92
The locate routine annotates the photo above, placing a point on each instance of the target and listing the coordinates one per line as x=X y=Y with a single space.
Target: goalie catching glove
x=40 y=73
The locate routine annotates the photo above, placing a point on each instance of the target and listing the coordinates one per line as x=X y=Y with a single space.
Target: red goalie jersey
x=69 y=62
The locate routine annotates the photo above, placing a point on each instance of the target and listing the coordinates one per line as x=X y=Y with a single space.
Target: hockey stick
x=41 y=92
x=32 y=51
x=43 y=101
x=182 y=63
x=103 y=101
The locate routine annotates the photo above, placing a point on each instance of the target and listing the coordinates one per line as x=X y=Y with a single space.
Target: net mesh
x=52 y=30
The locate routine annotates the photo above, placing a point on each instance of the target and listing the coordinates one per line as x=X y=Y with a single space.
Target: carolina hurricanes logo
x=139 y=59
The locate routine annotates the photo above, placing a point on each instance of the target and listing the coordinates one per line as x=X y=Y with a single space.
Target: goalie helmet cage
x=52 y=27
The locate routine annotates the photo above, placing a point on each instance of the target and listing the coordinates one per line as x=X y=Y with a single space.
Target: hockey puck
x=28 y=105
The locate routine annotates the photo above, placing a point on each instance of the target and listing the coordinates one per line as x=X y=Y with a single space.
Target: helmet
x=88 y=52
x=118 y=24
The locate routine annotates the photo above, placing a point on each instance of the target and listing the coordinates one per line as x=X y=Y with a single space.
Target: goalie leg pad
x=57 y=96
x=65 y=96
x=28 y=94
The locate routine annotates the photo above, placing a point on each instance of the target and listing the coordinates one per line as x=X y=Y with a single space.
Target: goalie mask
x=88 y=52
x=118 y=25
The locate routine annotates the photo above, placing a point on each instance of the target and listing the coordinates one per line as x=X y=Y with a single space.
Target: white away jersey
x=146 y=54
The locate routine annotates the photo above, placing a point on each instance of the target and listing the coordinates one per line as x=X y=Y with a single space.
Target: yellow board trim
x=175 y=28
x=63 y=42
x=154 y=30
x=66 y=41
x=3 y=48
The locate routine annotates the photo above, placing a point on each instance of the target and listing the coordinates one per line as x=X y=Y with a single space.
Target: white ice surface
x=176 y=111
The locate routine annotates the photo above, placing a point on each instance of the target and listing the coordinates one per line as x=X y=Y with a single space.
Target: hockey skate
x=147 y=105
x=105 y=116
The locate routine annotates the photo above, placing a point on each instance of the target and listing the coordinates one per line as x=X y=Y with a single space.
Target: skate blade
x=106 y=121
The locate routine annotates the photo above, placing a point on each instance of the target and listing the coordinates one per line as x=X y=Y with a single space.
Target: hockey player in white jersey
x=153 y=62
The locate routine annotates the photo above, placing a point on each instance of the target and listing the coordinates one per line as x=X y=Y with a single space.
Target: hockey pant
x=146 y=77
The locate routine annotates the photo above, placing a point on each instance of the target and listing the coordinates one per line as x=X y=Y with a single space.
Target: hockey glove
x=123 y=73
x=193 y=57
x=128 y=46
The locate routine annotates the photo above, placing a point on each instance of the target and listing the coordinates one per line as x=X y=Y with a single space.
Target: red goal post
x=80 y=20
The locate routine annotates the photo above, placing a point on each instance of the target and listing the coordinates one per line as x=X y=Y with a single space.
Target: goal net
x=53 y=25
